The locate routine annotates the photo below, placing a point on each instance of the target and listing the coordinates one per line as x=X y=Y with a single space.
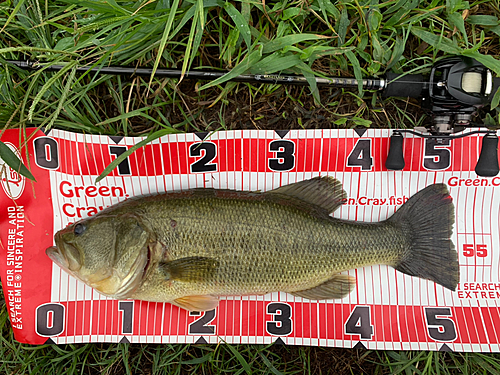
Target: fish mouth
x=55 y=255
x=64 y=254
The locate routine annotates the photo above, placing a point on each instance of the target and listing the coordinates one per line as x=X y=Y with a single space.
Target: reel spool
x=455 y=89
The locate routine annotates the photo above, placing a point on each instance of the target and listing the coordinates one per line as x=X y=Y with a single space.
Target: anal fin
x=337 y=287
x=197 y=303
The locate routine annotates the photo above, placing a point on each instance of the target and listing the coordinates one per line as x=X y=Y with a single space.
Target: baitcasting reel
x=455 y=89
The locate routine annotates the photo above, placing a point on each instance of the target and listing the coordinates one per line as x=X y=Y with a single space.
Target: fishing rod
x=455 y=89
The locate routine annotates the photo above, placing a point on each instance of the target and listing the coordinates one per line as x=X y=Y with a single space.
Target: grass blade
x=342 y=26
x=241 y=68
x=457 y=21
x=196 y=361
x=11 y=159
x=308 y=73
x=4 y=51
x=496 y=99
x=12 y=15
x=357 y=70
x=62 y=99
x=194 y=25
x=483 y=20
x=289 y=40
x=240 y=22
x=164 y=38
x=275 y=63
x=244 y=364
x=438 y=41
x=122 y=157
x=123 y=116
x=487 y=60
x=269 y=365
x=47 y=86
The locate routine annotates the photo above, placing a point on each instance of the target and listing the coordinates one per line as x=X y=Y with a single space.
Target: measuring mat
x=386 y=310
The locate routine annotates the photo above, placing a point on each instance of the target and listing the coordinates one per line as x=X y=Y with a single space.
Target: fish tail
x=427 y=220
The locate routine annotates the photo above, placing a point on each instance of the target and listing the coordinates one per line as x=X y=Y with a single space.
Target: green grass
x=352 y=38
x=320 y=37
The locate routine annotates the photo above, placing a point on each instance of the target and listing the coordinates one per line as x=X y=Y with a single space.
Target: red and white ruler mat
x=387 y=309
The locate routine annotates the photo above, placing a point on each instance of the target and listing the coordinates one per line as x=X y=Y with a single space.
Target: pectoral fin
x=197 y=303
x=190 y=269
x=337 y=287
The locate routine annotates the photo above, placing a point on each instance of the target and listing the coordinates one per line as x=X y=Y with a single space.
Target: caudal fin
x=427 y=220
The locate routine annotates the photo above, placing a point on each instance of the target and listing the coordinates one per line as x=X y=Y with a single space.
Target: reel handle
x=395 y=160
x=487 y=164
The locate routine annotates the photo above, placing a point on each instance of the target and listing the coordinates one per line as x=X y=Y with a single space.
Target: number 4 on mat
x=361 y=155
x=359 y=323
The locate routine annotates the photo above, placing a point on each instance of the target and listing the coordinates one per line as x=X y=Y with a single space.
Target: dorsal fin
x=319 y=195
x=325 y=193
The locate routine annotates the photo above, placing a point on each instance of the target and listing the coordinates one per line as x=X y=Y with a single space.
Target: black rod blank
x=211 y=75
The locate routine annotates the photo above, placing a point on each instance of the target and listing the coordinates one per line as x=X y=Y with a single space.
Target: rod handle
x=487 y=164
x=395 y=160
x=410 y=85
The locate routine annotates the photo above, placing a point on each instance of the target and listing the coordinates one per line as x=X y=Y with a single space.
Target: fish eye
x=79 y=229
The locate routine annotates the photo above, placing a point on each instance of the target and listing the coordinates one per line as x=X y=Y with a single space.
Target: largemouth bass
x=189 y=248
